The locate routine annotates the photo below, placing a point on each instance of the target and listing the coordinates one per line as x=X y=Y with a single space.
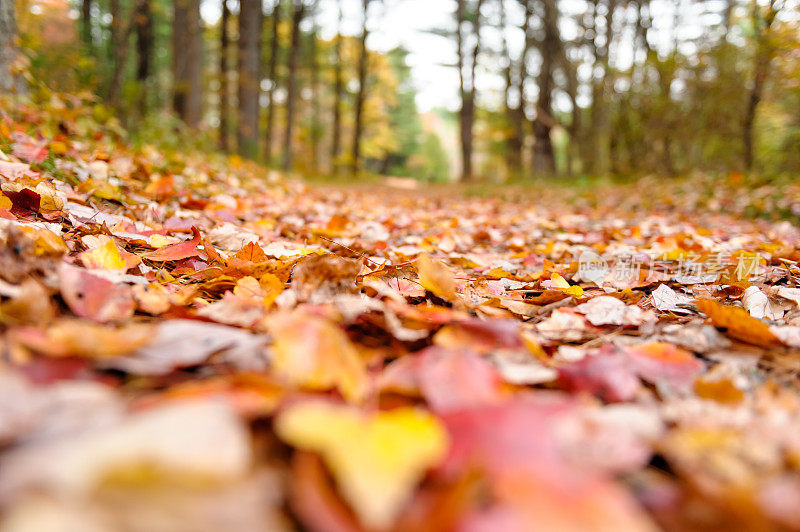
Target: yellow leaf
x=312 y=352
x=271 y=286
x=58 y=147
x=376 y=460
x=106 y=256
x=559 y=283
x=159 y=241
x=436 y=277
x=49 y=200
x=5 y=203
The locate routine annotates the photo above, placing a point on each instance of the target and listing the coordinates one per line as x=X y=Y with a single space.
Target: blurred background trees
x=544 y=87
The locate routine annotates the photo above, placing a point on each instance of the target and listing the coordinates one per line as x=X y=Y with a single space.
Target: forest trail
x=181 y=333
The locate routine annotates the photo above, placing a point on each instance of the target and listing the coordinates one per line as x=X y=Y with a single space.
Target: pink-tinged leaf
x=481 y=335
x=182 y=250
x=518 y=447
x=607 y=374
x=449 y=379
x=13 y=171
x=664 y=362
x=507 y=437
x=94 y=297
x=29 y=149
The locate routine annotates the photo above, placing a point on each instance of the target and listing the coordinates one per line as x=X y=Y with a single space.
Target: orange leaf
x=738 y=323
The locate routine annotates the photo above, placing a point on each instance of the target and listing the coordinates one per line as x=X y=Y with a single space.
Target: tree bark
x=467 y=89
x=272 y=75
x=187 y=52
x=120 y=42
x=338 y=96
x=144 y=50
x=224 y=78
x=361 y=95
x=8 y=51
x=86 y=23
x=316 y=125
x=249 y=66
x=764 y=54
x=518 y=114
x=513 y=161
x=544 y=160
x=599 y=113
x=291 y=89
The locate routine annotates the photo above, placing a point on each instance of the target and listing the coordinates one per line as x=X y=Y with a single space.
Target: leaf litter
x=188 y=344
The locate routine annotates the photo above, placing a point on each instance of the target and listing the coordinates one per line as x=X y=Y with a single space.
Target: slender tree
x=338 y=95
x=467 y=65
x=224 y=78
x=144 y=49
x=363 y=60
x=549 y=47
x=298 y=13
x=316 y=125
x=272 y=76
x=86 y=23
x=121 y=28
x=187 y=55
x=8 y=52
x=250 y=22
x=763 y=21
x=517 y=113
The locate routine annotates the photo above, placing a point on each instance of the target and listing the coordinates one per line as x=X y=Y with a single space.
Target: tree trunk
x=518 y=115
x=86 y=23
x=120 y=41
x=338 y=96
x=144 y=50
x=763 y=57
x=249 y=76
x=272 y=75
x=543 y=159
x=467 y=112
x=187 y=56
x=8 y=51
x=511 y=139
x=599 y=112
x=224 y=78
x=291 y=89
x=316 y=125
x=361 y=95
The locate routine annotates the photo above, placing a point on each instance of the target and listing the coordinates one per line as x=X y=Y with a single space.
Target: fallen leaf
x=312 y=352
x=395 y=448
x=738 y=324
x=182 y=250
x=436 y=278
x=93 y=297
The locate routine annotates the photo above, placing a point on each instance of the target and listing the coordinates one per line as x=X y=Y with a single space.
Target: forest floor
x=191 y=344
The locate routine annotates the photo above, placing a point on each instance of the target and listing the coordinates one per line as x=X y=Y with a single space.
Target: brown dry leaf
x=738 y=324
